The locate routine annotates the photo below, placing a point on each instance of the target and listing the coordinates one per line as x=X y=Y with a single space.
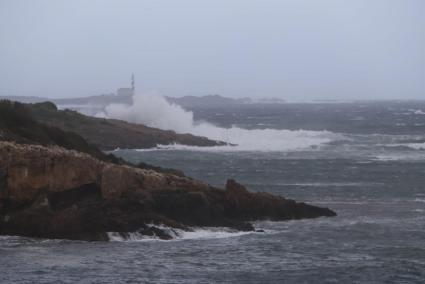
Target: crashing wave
x=156 y=111
x=178 y=234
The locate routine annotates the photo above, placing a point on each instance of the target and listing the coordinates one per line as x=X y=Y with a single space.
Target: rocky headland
x=52 y=192
x=55 y=183
x=25 y=122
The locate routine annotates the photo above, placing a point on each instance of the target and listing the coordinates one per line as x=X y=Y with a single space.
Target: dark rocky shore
x=51 y=192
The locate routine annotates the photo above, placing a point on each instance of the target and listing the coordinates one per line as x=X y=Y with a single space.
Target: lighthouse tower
x=127 y=92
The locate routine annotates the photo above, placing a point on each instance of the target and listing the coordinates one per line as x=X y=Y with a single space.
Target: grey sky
x=295 y=49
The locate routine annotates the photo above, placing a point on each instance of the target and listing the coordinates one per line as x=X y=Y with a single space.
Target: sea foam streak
x=415 y=146
x=177 y=234
x=156 y=111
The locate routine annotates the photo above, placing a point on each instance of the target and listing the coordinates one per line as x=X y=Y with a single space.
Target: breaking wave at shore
x=178 y=234
x=156 y=111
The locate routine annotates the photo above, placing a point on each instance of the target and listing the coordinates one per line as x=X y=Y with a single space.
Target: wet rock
x=241 y=204
x=153 y=231
x=50 y=192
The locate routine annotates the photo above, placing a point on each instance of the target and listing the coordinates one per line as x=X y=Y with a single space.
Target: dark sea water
x=370 y=169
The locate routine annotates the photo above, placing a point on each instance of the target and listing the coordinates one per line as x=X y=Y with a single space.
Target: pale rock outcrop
x=31 y=169
x=51 y=192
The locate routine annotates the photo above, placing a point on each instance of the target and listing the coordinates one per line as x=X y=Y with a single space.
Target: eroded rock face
x=29 y=169
x=56 y=193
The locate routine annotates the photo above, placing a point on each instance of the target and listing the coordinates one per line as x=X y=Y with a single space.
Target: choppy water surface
x=371 y=172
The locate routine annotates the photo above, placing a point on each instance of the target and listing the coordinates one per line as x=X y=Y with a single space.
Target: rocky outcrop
x=110 y=134
x=44 y=124
x=30 y=169
x=56 y=193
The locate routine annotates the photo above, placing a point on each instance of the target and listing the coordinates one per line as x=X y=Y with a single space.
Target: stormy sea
x=365 y=160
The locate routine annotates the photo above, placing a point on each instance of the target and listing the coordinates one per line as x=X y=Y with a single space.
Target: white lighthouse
x=127 y=92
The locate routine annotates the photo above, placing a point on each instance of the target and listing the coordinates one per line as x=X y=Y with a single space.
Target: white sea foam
x=399 y=157
x=129 y=237
x=155 y=111
x=178 y=234
x=417 y=111
x=414 y=146
x=211 y=234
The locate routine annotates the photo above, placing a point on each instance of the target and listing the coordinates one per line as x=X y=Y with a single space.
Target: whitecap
x=414 y=146
x=417 y=111
x=197 y=233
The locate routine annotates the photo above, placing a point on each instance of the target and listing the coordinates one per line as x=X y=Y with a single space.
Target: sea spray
x=155 y=111
x=195 y=233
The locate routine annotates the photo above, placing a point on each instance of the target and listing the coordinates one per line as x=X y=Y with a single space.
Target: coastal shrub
x=145 y=166
x=18 y=124
x=21 y=123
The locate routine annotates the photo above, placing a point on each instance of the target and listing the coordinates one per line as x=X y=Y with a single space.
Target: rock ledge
x=51 y=192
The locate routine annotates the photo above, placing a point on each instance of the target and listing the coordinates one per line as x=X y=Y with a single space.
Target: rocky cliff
x=57 y=193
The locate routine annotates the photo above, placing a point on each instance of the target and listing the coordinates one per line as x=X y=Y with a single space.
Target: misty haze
x=212 y=141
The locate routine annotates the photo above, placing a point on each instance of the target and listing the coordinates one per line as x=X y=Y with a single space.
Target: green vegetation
x=18 y=124
x=145 y=166
x=110 y=134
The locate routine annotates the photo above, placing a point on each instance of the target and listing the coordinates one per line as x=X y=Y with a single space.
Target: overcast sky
x=295 y=49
